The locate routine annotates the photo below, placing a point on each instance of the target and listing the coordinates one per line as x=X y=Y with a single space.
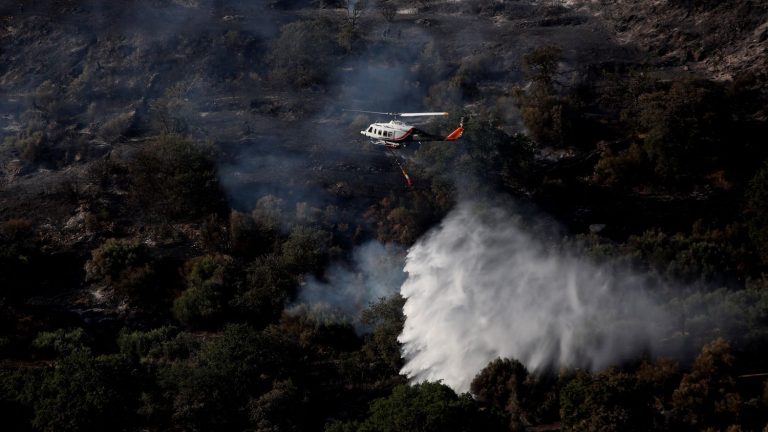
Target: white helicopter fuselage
x=392 y=134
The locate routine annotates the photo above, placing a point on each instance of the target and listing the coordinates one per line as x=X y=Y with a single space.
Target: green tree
x=274 y=411
x=84 y=393
x=425 y=407
x=267 y=288
x=707 y=395
x=61 y=341
x=124 y=266
x=306 y=249
x=608 y=401
x=304 y=52
x=543 y=110
x=681 y=128
x=381 y=348
x=502 y=386
x=212 y=390
x=174 y=179
x=210 y=281
x=540 y=66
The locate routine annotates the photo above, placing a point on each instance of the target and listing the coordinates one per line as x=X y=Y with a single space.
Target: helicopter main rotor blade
x=420 y=114
x=372 y=112
x=423 y=114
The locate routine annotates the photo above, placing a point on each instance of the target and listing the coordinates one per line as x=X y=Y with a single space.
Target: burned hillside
x=194 y=235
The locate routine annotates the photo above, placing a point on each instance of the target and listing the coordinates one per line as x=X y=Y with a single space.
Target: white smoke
x=479 y=287
x=375 y=272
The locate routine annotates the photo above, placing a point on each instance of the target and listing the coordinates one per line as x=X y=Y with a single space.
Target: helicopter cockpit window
x=370 y=129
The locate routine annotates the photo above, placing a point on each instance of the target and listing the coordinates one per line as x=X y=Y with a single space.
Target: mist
x=479 y=287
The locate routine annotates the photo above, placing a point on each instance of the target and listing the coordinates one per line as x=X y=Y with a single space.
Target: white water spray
x=479 y=287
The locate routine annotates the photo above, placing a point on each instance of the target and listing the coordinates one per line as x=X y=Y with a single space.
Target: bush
x=501 y=386
x=110 y=261
x=273 y=411
x=306 y=250
x=61 y=341
x=421 y=408
x=473 y=70
x=174 y=179
x=707 y=396
x=210 y=283
x=268 y=287
x=544 y=111
x=211 y=390
x=164 y=344
x=84 y=392
x=304 y=52
x=703 y=255
x=623 y=169
x=381 y=349
x=681 y=128
x=609 y=401
x=123 y=266
x=139 y=344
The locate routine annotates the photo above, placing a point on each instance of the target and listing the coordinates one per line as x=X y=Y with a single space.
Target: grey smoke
x=480 y=287
x=375 y=272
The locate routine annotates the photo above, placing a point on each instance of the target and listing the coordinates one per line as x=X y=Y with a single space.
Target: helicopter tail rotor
x=458 y=133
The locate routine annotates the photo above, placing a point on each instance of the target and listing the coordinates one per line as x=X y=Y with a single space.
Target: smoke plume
x=479 y=287
x=374 y=272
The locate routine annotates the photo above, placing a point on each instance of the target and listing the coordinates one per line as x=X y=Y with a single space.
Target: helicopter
x=396 y=134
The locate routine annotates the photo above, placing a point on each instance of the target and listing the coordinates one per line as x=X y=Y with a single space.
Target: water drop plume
x=481 y=286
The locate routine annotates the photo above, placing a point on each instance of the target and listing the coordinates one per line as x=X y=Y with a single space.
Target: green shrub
x=268 y=288
x=608 y=401
x=124 y=266
x=304 y=52
x=174 y=179
x=84 y=392
x=210 y=281
x=424 y=407
x=61 y=341
x=212 y=390
x=306 y=249
x=111 y=260
x=680 y=128
x=140 y=344
x=707 y=395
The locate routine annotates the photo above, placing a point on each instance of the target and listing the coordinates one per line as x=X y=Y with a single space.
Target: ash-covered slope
x=81 y=80
x=720 y=39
